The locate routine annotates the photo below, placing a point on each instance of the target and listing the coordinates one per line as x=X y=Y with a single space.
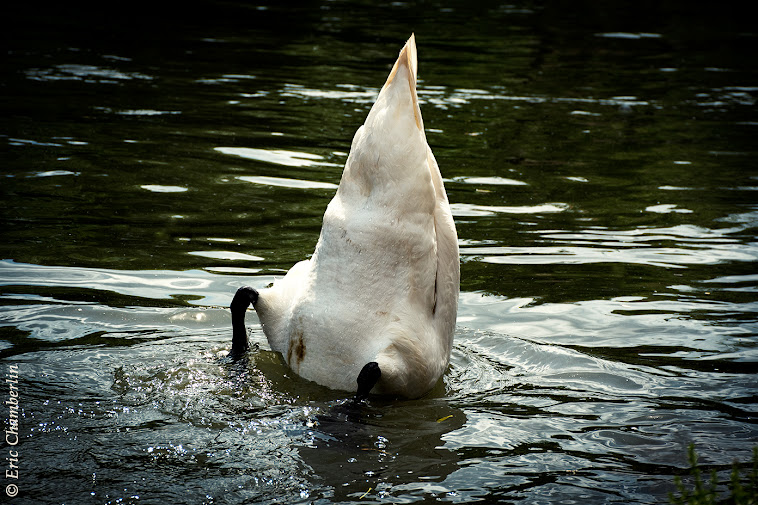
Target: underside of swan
x=382 y=285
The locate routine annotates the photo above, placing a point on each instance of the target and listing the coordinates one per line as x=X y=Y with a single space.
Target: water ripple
x=84 y=73
x=474 y=210
x=276 y=156
x=151 y=284
x=668 y=257
x=286 y=182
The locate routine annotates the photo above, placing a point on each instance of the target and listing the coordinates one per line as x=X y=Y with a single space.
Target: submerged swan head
x=374 y=308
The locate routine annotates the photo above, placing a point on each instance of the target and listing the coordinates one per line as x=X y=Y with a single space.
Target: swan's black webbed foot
x=367 y=379
x=241 y=301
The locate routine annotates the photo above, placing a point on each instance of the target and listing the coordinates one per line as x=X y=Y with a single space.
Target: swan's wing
x=448 y=277
x=380 y=224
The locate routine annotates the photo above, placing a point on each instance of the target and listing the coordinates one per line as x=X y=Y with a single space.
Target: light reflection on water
x=602 y=179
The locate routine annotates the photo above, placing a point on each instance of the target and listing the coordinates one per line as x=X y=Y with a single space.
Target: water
x=601 y=165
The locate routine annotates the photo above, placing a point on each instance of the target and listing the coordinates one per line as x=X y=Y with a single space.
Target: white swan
x=374 y=309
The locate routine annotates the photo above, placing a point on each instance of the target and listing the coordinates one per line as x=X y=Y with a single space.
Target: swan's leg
x=241 y=301
x=367 y=379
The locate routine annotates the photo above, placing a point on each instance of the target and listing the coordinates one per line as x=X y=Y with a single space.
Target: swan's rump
x=369 y=293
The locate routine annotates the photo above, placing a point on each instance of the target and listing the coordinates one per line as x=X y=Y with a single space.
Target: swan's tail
x=408 y=58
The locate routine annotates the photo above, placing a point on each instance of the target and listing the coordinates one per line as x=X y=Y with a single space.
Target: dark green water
x=602 y=167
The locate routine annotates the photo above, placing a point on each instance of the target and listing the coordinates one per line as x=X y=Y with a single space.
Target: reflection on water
x=278 y=156
x=601 y=167
x=82 y=73
x=286 y=183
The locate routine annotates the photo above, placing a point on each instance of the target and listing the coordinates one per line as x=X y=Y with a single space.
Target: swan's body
x=382 y=285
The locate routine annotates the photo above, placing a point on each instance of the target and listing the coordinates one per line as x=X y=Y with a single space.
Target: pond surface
x=602 y=168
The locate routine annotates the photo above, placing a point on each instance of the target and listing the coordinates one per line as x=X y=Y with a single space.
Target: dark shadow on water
x=353 y=450
x=362 y=451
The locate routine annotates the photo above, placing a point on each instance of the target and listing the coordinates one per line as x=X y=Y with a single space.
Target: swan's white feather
x=383 y=282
